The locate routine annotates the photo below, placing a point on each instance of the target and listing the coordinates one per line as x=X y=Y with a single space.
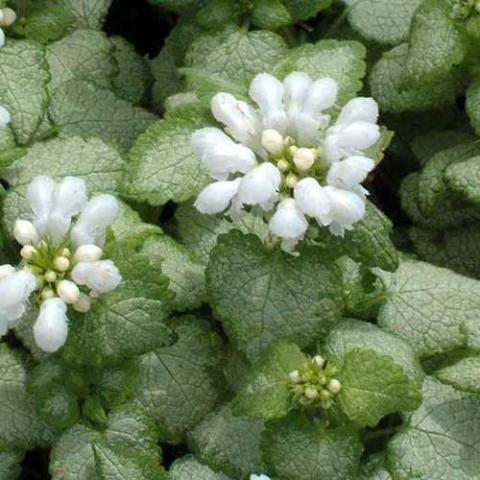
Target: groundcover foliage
x=283 y=340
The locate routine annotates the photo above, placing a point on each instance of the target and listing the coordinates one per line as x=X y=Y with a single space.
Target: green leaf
x=440 y=440
x=185 y=273
x=81 y=108
x=174 y=384
x=162 y=166
x=134 y=79
x=93 y=59
x=436 y=45
x=115 y=462
x=303 y=9
x=129 y=429
x=221 y=435
x=101 y=167
x=58 y=407
x=127 y=322
x=427 y=306
x=188 y=468
x=463 y=375
x=24 y=76
x=87 y=13
x=264 y=296
x=375 y=469
x=383 y=21
x=344 y=61
x=10 y=464
x=49 y=24
x=270 y=14
x=236 y=54
x=457 y=249
x=464 y=178
x=473 y=104
x=386 y=83
x=19 y=424
x=378 y=372
x=266 y=391
x=215 y=14
x=296 y=448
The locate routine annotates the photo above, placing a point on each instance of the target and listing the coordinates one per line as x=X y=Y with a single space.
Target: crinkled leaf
x=20 y=425
x=386 y=83
x=81 y=108
x=436 y=45
x=188 y=468
x=263 y=296
x=296 y=448
x=236 y=54
x=303 y=9
x=464 y=178
x=266 y=391
x=174 y=383
x=134 y=78
x=23 y=79
x=185 y=273
x=270 y=14
x=93 y=59
x=464 y=375
x=228 y=443
x=10 y=464
x=87 y=13
x=375 y=469
x=344 y=61
x=45 y=25
x=100 y=165
x=162 y=166
x=440 y=440
x=473 y=104
x=427 y=306
x=383 y=21
x=378 y=372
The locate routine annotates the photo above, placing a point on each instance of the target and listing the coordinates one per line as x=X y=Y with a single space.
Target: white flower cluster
x=259 y=477
x=7 y=18
x=286 y=152
x=62 y=260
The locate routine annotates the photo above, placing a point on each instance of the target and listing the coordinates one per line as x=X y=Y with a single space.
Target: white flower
x=16 y=286
x=259 y=477
x=7 y=17
x=260 y=186
x=289 y=224
x=63 y=221
x=5 y=117
x=354 y=131
x=25 y=232
x=216 y=197
x=101 y=276
x=220 y=155
x=100 y=212
x=317 y=169
x=346 y=209
x=51 y=328
x=312 y=200
x=267 y=91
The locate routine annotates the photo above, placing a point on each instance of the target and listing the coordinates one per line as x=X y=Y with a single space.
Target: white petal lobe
x=51 y=328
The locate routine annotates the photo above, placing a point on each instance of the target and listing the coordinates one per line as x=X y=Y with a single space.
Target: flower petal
x=216 y=197
x=51 y=328
x=312 y=200
x=101 y=276
x=358 y=109
x=260 y=186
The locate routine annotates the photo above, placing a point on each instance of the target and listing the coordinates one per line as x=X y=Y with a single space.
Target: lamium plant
x=239 y=240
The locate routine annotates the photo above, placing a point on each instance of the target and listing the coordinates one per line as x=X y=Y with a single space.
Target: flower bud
x=66 y=252
x=272 y=141
x=304 y=158
x=311 y=393
x=83 y=303
x=48 y=293
x=334 y=386
x=7 y=17
x=291 y=180
x=295 y=377
x=68 y=291
x=88 y=253
x=50 y=276
x=27 y=252
x=62 y=264
x=25 y=233
x=319 y=360
x=283 y=165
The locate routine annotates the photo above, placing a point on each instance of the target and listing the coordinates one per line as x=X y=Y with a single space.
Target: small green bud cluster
x=314 y=383
x=462 y=9
x=294 y=162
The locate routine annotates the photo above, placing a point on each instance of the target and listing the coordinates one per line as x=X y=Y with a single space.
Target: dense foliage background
x=182 y=372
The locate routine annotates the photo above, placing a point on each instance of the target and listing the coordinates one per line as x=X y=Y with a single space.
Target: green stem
x=384 y=432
